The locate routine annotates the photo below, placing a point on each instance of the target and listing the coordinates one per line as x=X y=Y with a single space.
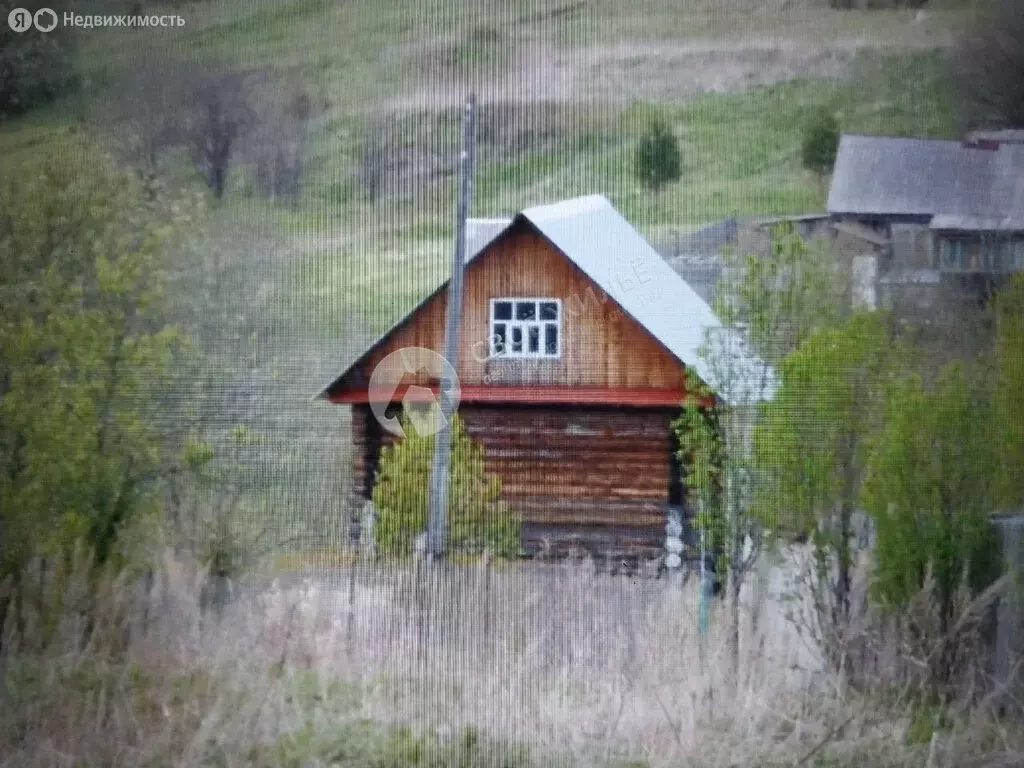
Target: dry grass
x=572 y=666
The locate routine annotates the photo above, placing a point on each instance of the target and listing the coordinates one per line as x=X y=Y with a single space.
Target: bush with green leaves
x=1008 y=402
x=477 y=519
x=812 y=447
x=820 y=142
x=658 y=159
x=930 y=486
x=84 y=348
x=702 y=452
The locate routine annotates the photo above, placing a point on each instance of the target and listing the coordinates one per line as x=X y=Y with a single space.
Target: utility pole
x=443 y=440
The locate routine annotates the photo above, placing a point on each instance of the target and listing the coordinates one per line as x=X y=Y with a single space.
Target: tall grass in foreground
x=470 y=666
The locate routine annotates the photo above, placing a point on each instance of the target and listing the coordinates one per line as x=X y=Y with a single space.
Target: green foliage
x=1008 y=402
x=780 y=299
x=813 y=444
x=812 y=447
x=658 y=160
x=930 y=487
x=83 y=346
x=212 y=503
x=820 y=141
x=476 y=518
x=702 y=452
x=34 y=67
x=785 y=297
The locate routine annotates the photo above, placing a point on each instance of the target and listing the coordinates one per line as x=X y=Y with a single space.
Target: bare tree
x=988 y=66
x=146 y=112
x=276 y=147
x=222 y=117
x=378 y=158
x=219 y=115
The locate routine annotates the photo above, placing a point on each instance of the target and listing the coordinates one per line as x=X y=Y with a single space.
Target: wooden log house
x=577 y=340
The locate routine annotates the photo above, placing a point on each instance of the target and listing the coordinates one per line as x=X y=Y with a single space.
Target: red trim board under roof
x=640 y=398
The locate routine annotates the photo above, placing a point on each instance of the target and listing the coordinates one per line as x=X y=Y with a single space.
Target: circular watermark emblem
x=45 y=20
x=419 y=402
x=19 y=20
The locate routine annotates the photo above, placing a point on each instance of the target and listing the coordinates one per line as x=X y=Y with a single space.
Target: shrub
x=929 y=487
x=477 y=520
x=820 y=142
x=658 y=158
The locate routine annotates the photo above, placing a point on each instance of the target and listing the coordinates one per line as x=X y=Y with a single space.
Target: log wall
x=578 y=478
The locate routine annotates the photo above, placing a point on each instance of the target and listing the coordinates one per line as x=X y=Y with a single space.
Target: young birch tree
x=768 y=305
x=812 y=449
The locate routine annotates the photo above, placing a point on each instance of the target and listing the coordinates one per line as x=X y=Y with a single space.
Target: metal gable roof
x=598 y=240
x=595 y=237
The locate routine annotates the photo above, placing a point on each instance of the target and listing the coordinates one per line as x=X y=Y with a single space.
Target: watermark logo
x=19 y=20
x=45 y=20
x=419 y=402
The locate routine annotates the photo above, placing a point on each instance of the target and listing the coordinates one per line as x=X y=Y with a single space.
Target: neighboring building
x=1010 y=136
x=697 y=256
x=952 y=213
x=576 y=342
x=700 y=257
x=857 y=248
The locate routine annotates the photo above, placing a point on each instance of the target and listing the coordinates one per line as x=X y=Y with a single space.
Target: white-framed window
x=1018 y=249
x=526 y=327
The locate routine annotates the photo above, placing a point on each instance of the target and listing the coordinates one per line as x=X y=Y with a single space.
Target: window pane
x=954 y=254
x=503 y=310
x=533 y=335
x=551 y=339
x=548 y=310
x=526 y=310
x=498 y=338
x=517 y=339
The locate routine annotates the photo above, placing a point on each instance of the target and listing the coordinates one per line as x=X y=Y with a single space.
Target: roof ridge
x=592 y=235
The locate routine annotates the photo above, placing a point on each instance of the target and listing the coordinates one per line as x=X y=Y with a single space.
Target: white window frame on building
x=526 y=328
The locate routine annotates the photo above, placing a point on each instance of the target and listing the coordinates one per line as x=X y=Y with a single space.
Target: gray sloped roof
x=480 y=233
x=604 y=246
x=1006 y=197
x=765 y=222
x=598 y=240
x=956 y=186
x=895 y=176
x=1009 y=186
x=697 y=256
x=711 y=238
x=864 y=233
x=700 y=271
x=1009 y=136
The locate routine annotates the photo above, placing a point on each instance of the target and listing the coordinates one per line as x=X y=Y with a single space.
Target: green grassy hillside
x=563 y=89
